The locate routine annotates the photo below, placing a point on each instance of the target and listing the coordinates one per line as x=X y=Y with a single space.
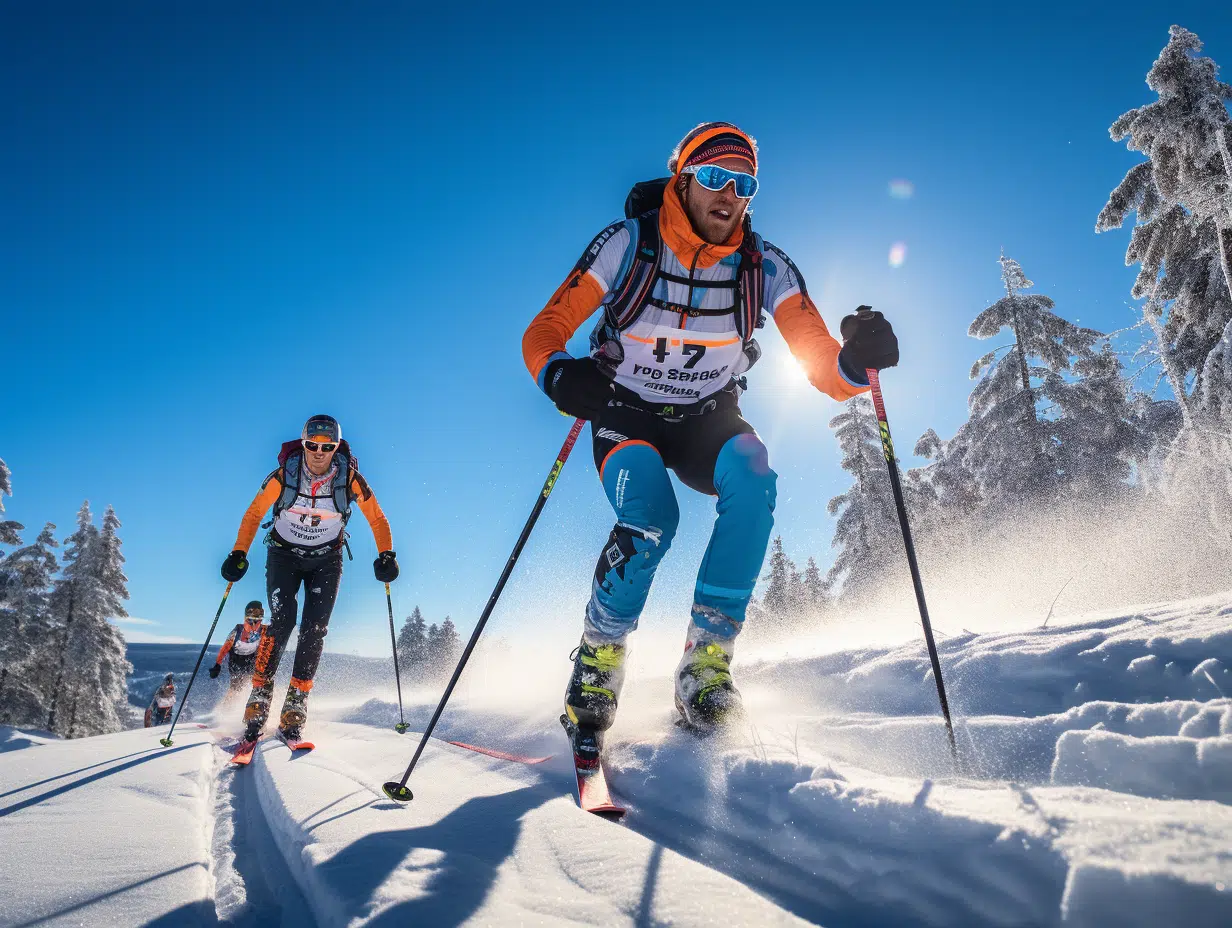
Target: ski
x=295 y=744
x=243 y=754
x=502 y=755
x=592 y=792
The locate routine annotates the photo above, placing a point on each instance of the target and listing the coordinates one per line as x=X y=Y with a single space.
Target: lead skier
x=682 y=284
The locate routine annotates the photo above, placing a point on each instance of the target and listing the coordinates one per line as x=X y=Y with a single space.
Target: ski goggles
x=715 y=178
x=326 y=446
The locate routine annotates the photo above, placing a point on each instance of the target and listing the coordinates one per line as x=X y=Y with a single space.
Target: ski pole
x=401 y=727
x=887 y=446
x=166 y=742
x=398 y=790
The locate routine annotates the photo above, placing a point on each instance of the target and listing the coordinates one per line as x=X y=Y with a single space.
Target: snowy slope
x=1097 y=758
x=107 y=831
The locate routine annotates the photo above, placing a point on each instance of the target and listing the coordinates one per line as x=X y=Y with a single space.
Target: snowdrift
x=1095 y=789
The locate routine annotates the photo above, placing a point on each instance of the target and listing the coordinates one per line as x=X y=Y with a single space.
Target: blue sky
x=216 y=222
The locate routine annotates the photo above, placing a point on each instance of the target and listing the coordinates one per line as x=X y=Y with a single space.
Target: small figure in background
x=159 y=712
x=241 y=648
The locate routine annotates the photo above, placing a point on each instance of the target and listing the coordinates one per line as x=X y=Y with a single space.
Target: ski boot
x=705 y=695
x=294 y=710
x=598 y=674
x=257 y=709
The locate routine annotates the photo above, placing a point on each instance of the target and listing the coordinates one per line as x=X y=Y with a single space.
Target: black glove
x=868 y=341
x=578 y=387
x=215 y=671
x=235 y=566
x=386 y=567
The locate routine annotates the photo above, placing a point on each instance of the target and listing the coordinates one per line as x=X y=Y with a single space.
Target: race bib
x=663 y=364
x=309 y=525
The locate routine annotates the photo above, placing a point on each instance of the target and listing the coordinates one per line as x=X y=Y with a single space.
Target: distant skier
x=682 y=285
x=311 y=491
x=240 y=648
x=159 y=711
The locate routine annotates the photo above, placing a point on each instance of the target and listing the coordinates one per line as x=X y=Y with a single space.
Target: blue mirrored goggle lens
x=713 y=177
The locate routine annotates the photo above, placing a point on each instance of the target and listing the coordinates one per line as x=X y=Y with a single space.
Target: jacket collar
x=677 y=233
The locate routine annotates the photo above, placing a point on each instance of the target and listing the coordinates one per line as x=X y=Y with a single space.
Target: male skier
x=311 y=491
x=682 y=285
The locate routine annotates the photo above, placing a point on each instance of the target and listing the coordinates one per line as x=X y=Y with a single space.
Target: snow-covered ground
x=1095 y=789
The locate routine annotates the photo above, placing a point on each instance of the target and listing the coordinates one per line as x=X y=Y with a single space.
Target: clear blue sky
x=217 y=219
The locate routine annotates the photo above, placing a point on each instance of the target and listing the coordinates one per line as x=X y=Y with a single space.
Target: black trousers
x=240 y=668
x=285 y=573
x=689 y=446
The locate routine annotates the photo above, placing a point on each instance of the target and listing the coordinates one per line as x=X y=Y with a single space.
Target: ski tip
x=402 y=728
x=397 y=792
x=612 y=813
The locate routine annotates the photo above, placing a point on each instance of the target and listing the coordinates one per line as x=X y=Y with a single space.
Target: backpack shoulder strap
x=289 y=475
x=628 y=300
x=751 y=275
x=345 y=473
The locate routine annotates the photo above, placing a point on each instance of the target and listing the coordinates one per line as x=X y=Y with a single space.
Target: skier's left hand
x=215 y=671
x=868 y=341
x=386 y=567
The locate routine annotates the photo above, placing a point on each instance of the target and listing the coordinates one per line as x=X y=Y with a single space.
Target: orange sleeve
x=571 y=305
x=373 y=513
x=226 y=646
x=814 y=347
x=265 y=498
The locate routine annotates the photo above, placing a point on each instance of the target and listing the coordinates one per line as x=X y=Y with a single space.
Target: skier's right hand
x=215 y=671
x=578 y=387
x=235 y=566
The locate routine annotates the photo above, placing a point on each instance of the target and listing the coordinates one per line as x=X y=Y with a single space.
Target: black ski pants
x=285 y=572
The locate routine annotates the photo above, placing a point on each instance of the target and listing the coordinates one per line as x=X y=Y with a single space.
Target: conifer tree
x=1182 y=197
x=814 y=585
x=867 y=524
x=91 y=691
x=1097 y=431
x=8 y=530
x=1011 y=450
x=432 y=653
x=449 y=646
x=777 y=601
x=413 y=642
x=27 y=667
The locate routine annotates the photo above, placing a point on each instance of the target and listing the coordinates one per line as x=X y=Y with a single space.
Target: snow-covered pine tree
x=814 y=585
x=867 y=528
x=90 y=695
x=70 y=595
x=432 y=653
x=1097 y=431
x=413 y=643
x=946 y=487
x=1011 y=449
x=8 y=530
x=449 y=645
x=1182 y=195
x=27 y=663
x=778 y=598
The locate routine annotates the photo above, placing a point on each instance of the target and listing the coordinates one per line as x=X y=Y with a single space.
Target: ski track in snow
x=1096 y=790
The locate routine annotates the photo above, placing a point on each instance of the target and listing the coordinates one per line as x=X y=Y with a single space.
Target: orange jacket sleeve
x=226 y=646
x=265 y=498
x=571 y=305
x=814 y=347
x=373 y=513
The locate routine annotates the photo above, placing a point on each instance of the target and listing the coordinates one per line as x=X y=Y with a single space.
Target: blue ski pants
x=717 y=453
